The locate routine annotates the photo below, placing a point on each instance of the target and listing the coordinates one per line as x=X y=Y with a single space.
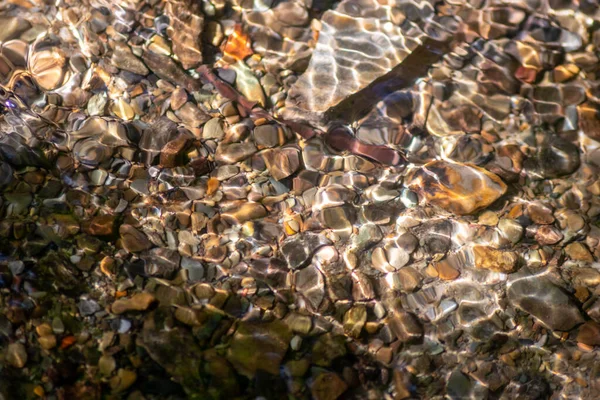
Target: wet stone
x=310 y=285
x=139 y=302
x=273 y=338
x=299 y=249
x=328 y=348
x=266 y=136
x=487 y=257
x=457 y=188
x=538 y=296
x=328 y=386
x=133 y=240
x=16 y=355
x=234 y=152
x=354 y=320
x=589 y=333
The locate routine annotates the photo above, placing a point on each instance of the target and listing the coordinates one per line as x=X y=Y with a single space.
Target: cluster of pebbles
x=299 y=199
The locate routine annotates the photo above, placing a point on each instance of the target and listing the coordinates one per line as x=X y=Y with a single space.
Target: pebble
x=16 y=355
x=138 y=302
x=487 y=257
x=328 y=386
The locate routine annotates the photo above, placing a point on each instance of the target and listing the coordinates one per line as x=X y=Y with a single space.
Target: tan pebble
x=16 y=355
x=47 y=342
x=123 y=380
x=446 y=272
x=138 y=302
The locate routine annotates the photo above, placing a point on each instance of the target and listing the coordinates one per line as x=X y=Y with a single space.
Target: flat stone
x=16 y=355
x=281 y=162
x=458 y=188
x=271 y=338
x=133 y=240
x=138 y=302
x=299 y=249
x=123 y=58
x=310 y=284
x=354 y=320
x=266 y=136
x=234 y=152
x=579 y=252
x=328 y=386
x=589 y=334
x=487 y=257
x=100 y=225
x=161 y=262
x=213 y=129
x=446 y=271
x=246 y=212
x=405 y=326
x=327 y=348
x=538 y=296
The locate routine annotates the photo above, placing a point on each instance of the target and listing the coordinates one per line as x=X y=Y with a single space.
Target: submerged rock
x=458 y=188
x=538 y=296
x=272 y=338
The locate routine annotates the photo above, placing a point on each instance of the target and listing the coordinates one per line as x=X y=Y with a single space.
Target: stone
x=328 y=386
x=446 y=271
x=124 y=379
x=16 y=355
x=47 y=342
x=100 y=225
x=133 y=240
x=310 y=285
x=589 y=334
x=138 y=302
x=457 y=188
x=281 y=162
x=171 y=155
x=410 y=279
x=107 y=365
x=234 y=152
x=547 y=235
x=354 y=320
x=538 y=296
x=579 y=252
x=244 y=213
x=486 y=257
x=405 y=326
x=123 y=58
x=213 y=129
x=272 y=338
x=266 y=136
x=328 y=348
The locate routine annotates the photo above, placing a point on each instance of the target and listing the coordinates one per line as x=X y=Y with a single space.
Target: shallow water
x=260 y=199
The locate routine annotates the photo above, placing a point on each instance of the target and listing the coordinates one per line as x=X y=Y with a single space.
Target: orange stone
x=238 y=44
x=458 y=188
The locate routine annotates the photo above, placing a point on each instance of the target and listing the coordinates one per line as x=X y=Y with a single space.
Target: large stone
x=458 y=188
x=259 y=346
x=538 y=296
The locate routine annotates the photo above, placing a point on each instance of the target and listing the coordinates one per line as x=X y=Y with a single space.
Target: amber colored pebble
x=67 y=342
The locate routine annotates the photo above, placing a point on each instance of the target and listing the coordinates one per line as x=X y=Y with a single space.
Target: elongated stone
x=458 y=188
